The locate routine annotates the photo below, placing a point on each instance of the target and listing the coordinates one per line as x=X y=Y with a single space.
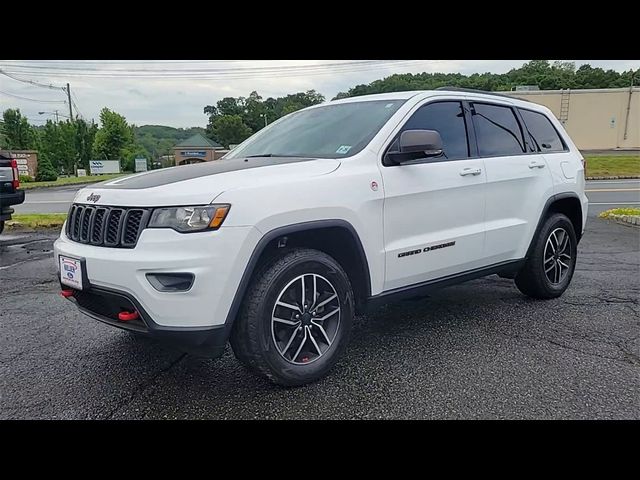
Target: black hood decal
x=166 y=176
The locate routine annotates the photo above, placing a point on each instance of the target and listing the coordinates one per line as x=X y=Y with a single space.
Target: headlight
x=189 y=219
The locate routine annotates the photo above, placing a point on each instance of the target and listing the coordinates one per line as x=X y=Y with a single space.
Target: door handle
x=535 y=164
x=470 y=171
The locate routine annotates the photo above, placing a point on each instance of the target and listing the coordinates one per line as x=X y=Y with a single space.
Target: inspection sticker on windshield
x=71 y=272
x=343 y=149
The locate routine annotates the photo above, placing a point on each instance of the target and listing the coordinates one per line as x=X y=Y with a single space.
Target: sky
x=174 y=92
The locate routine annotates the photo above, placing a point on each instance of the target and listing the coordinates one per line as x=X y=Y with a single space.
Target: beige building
x=596 y=119
x=197 y=149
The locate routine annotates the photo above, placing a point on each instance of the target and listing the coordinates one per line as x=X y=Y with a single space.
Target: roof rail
x=473 y=90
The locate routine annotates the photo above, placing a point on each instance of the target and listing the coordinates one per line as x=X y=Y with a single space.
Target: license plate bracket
x=73 y=272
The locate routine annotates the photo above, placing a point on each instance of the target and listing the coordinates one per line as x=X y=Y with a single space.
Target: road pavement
x=476 y=350
x=602 y=194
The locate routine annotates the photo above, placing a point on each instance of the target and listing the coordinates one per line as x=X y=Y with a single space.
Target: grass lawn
x=37 y=220
x=620 y=211
x=72 y=181
x=612 y=165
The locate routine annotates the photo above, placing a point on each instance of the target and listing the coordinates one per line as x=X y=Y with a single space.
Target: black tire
x=532 y=280
x=252 y=338
x=1 y=225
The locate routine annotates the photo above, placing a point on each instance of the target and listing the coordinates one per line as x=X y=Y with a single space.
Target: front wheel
x=550 y=266
x=1 y=225
x=296 y=318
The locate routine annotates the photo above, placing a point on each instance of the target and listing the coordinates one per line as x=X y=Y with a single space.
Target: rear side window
x=497 y=130
x=447 y=118
x=543 y=134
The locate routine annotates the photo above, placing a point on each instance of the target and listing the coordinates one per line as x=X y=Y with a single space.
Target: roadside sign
x=104 y=166
x=141 y=164
x=82 y=172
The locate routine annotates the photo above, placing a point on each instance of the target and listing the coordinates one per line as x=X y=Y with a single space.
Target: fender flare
x=288 y=230
x=550 y=201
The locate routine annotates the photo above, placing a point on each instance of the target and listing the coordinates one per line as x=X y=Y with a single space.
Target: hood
x=201 y=183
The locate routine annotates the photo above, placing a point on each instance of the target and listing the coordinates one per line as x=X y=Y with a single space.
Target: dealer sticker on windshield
x=71 y=272
x=343 y=149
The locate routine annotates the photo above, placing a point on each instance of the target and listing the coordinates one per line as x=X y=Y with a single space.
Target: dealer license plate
x=71 y=272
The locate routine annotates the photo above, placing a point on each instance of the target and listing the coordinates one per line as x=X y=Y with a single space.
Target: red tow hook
x=128 y=316
x=66 y=293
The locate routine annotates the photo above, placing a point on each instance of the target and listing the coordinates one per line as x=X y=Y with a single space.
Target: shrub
x=26 y=178
x=46 y=171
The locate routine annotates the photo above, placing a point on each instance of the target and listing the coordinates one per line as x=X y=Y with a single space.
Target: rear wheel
x=550 y=266
x=296 y=318
x=1 y=225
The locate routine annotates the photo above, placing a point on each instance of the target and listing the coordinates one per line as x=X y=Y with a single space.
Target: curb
x=632 y=220
x=41 y=187
x=616 y=177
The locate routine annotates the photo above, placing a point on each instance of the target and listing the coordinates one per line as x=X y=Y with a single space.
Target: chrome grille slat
x=116 y=227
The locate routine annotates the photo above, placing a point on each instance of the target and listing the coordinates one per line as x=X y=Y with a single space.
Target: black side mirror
x=416 y=144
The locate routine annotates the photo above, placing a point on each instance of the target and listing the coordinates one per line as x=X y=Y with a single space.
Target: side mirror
x=416 y=144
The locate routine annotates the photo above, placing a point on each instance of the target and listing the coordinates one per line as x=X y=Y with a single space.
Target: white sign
x=104 y=166
x=141 y=164
x=23 y=168
x=82 y=172
x=21 y=161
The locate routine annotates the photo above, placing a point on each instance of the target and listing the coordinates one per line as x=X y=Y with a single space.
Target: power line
x=226 y=74
x=31 y=99
x=31 y=82
x=106 y=68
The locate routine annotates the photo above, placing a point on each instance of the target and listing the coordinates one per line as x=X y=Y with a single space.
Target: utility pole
x=69 y=99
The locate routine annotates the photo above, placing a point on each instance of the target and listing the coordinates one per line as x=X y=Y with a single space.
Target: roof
x=200 y=141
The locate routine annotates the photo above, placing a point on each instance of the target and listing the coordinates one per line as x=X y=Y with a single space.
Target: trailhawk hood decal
x=201 y=183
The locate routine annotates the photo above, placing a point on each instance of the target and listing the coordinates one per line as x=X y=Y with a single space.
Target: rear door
x=434 y=207
x=518 y=180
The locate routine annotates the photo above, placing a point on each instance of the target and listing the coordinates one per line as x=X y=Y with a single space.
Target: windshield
x=333 y=131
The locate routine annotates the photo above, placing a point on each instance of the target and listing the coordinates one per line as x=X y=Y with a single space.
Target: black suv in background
x=9 y=188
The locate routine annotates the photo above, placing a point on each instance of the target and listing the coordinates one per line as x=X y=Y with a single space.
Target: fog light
x=171 y=282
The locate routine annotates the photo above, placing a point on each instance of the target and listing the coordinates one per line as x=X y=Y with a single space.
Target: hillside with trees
x=541 y=73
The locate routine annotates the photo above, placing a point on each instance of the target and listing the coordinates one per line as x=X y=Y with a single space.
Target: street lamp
x=55 y=112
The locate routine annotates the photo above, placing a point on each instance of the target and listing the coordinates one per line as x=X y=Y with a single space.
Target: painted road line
x=600 y=182
x=615 y=203
x=614 y=190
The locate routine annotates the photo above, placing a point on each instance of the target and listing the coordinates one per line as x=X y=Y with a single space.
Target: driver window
x=447 y=118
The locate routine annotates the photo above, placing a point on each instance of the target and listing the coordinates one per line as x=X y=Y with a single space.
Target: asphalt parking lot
x=477 y=350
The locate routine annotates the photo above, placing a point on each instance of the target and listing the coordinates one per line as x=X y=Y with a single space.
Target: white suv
x=325 y=212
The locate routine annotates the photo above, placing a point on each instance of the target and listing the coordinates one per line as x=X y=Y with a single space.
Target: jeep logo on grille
x=93 y=198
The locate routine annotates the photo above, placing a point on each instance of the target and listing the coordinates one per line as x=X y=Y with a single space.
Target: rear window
x=497 y=129
x=544 y=136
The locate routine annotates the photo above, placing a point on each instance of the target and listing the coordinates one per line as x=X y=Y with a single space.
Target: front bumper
x=216 y=259
x=105 y=304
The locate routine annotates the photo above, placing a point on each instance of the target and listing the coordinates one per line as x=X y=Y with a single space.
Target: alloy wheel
x=305 y=319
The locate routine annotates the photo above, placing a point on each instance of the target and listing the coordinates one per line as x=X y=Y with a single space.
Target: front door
x=434 y=207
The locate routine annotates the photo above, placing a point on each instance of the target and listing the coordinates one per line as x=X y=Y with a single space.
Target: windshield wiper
x=260 y=155
x=274 y=155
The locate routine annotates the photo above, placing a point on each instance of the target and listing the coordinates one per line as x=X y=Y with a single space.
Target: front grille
x=106 y=226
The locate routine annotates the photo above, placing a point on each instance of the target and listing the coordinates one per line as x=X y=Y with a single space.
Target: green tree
x=46 y=171
x=113 y=137
x=229 y=129
x=85 y=134
x=16 y=131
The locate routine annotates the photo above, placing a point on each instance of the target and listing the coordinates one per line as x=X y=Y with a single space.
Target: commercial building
x=27 y=160
x=596 y=119
x=196 y=149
